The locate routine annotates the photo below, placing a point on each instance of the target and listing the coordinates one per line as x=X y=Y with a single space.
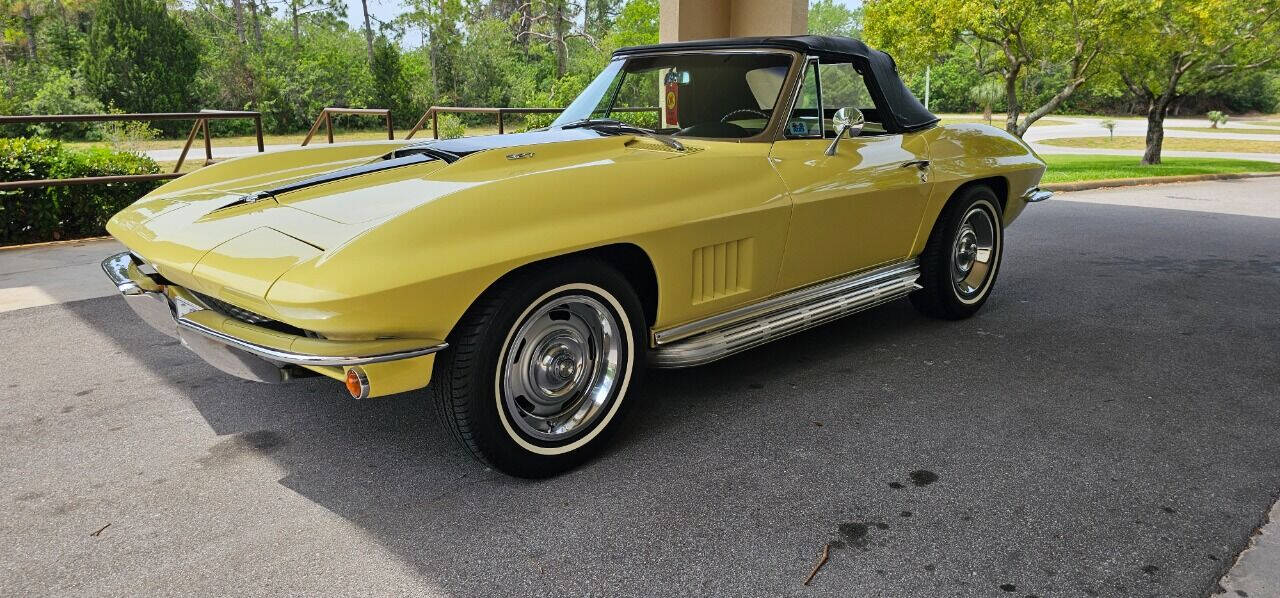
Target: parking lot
x=1106 y=426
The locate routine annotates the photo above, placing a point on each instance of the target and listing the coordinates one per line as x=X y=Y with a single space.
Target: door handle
x=921 y=164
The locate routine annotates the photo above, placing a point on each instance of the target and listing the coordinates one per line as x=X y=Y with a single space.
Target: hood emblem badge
x=255 y=197
x=520 y=156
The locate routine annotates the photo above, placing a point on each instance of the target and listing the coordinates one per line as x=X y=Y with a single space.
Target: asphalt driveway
x=1106 y=426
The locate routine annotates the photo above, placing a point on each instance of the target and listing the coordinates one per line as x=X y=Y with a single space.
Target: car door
x=860 y=207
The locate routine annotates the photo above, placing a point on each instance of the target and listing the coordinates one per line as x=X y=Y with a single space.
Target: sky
x=387 y=10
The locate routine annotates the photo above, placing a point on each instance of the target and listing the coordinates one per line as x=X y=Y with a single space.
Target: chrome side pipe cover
x=747 y=327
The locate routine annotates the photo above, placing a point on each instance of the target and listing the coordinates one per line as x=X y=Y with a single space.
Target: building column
x=682 y=20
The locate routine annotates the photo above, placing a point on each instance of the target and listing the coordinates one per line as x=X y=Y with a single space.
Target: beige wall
x=682 y=20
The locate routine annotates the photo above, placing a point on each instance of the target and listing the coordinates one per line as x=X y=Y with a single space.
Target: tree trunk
x=29 y=27
x=368 y=30
x=1011 y=98
x=257 y=25
x=238 y=9
x=986 y=112
x=561 y=51
x=526 y=25
x=1155 y=130
x=293 y=16
x=562 y=60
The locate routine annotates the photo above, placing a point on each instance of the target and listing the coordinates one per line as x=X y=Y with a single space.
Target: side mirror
x=845 y=120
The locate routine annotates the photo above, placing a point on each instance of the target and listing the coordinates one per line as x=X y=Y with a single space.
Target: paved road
x=1105 y=427
x=1090 y=127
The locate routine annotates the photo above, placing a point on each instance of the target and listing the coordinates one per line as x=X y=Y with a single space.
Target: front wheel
x=538 y=370
x=962 y=257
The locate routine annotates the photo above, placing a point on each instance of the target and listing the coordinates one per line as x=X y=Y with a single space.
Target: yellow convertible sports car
x=696 y=200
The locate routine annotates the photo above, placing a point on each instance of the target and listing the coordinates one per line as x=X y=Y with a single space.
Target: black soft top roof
x=904 y=111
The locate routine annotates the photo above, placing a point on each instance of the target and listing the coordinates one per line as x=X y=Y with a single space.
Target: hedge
x=36 y=214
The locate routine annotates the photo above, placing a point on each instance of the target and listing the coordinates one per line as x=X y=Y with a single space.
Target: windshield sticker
x=671 y=116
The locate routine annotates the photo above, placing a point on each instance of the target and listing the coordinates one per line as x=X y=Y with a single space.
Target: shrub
x=1216 y=117
x=451 y=127
x=37 y=214
x=63 y=93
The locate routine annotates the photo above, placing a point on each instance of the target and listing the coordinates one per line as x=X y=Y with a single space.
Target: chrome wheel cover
x=974 y=253
x=561 y=367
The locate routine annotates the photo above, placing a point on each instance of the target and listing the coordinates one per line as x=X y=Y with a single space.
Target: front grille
x=249 y=317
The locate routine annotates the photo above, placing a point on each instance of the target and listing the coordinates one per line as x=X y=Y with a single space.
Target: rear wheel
x=962 y=257
x=537 y=373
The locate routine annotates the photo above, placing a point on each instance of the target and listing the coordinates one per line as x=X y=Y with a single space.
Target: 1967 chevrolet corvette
x=698 y=199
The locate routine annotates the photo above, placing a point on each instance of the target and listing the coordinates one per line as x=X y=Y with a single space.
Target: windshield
x=694 y=95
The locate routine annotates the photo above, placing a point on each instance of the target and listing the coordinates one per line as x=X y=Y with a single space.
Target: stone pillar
x=681 y=20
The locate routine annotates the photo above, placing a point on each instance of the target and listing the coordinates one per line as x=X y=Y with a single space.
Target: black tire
x=470 y=379
x=944 y=256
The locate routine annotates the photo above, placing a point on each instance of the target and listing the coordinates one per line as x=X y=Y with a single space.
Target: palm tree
x=986 y=94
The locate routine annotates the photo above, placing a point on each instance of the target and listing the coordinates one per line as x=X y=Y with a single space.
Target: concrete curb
x=1153 y=180
x=53 y=243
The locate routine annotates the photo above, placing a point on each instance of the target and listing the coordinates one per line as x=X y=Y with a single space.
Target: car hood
x=232 y=229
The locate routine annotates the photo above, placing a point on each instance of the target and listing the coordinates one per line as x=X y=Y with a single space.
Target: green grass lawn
x=1065 y=168
x=1171 y=143
x=1207 y=129
x=997 y=120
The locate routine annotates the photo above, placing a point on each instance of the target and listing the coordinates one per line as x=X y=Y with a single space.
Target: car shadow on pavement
x=389 y=466
x=1096 y=430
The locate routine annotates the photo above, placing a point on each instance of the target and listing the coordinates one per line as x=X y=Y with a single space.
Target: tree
x=636 y=25
x=439 y=20
x=598 y=16
x=141 y=58
x=828 y=18
x=1011 y=39
x=1110 y=125
x=986 y=94
x=1177 y=46
x=390 y=89
x=368 y=29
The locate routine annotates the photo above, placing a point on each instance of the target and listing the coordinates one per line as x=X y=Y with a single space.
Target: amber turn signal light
x=357 y=384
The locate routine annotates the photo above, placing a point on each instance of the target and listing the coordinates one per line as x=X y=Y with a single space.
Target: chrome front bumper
x=1036 y=194
x=212 y=335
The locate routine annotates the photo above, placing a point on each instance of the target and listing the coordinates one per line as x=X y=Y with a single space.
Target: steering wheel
x=726 y=118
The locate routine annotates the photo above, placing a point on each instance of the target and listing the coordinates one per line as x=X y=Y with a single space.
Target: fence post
x=186 y=147
x=328 y=124
x=391 y=133
x=501 y=112
x=435 y=125
x=208 y=144
x=257 y=129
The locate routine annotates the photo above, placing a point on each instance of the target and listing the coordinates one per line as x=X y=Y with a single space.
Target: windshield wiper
x=588 y=123
x=609 y=125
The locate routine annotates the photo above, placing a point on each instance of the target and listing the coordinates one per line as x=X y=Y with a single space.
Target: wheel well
x=998 y=184
x=636 y=266
x=628 y=259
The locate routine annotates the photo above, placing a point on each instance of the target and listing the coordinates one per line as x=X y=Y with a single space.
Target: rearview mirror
x=845 y=120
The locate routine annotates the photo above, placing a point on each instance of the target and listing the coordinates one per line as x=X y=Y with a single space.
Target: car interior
x=733 y=96
x=728 y=96
x=840 y=85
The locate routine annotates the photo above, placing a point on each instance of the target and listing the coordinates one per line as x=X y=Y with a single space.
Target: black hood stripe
x=469 y=145
x=328 y=177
